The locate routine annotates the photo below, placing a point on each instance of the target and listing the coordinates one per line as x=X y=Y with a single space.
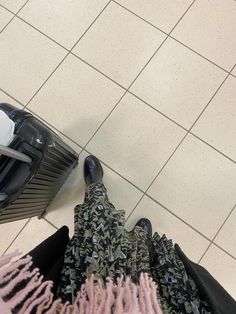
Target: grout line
x=140 y=17
x=104 y=120
x=145 y=192
x=182 y=16
x=222 y=249
x=179 y=218
x=218 y=151
x=14 y=14
x=210 y=100
x=200 y=55
x=97 y=70
x=182 y=127
x=2 y=90
x=46 y=80
x=212 y=241
x=41 y=32
x=17 y=235
x=7 y=24
x=68 y=52
x=49 y=222
x=161 y=113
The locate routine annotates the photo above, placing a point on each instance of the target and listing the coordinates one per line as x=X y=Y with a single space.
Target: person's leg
x=47 y=253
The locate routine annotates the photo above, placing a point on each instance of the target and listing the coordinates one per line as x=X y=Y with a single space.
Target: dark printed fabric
x=101 y=246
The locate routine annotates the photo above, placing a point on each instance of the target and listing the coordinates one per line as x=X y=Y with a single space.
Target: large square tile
x=26 y=59
x=136 y=141
x=122 y=194
x=222 y=267
x=5 y=17
x=13 y=5
x=209 y=27
x=198 y=185
x=226 y=238
x=8 y=232
x=36 y=231
x=76 y=99
x=192 y=243
x=5 y=98
x=178 y=82
x=217 y=125
x=119 y=44
x=64 y=21
x=161 y=13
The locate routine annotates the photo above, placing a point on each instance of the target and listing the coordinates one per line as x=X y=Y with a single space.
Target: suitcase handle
x=7 y=151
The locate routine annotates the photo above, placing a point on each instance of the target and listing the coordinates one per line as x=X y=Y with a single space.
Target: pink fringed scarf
x=123 y=298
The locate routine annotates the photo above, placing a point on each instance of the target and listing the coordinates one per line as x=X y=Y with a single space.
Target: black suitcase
x=29 y=186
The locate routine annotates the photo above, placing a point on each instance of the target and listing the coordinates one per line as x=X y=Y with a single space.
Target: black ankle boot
x=93 y=172
x=145 y=224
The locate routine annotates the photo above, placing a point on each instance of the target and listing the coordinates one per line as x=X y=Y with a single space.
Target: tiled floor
x=147 y=86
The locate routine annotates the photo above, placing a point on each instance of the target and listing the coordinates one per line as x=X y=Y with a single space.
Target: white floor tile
x=122 y=51
x=209 y=27
x=8 y=232
x=122 y=194
x=217 y=124
x=64 y=21
x=161 y=13
x=136 y=141
x=5 y=17
x=26 y=58
x=76 y=99
x=13 y=5
x=226 y=238
x=222 y=267
x=197 y=185
x=36 y=231
x=192 y=243
x=178 y=82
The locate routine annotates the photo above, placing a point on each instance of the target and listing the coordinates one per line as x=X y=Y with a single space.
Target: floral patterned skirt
x=101 y=246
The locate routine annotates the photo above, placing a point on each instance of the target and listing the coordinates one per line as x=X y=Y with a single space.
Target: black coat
x=210 y=290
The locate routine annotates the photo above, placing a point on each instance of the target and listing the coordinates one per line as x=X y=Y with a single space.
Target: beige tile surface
x=5 y=98
x=8 y=232
x=222 y=267
x=76 y=99
x=36 y=231
x=161 y=13
x=13 y=5
x=122 y=51
x=192 y=243
x=178 y=82
x=136 y=141
x=26 y=58
x=209 y=27
x=217 y=125
x=122 y=194
x=197 y=185
x=5 y=17
x=49 y=16
x=226 y=238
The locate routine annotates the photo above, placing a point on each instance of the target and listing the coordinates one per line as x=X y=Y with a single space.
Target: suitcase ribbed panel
x=55 y=166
